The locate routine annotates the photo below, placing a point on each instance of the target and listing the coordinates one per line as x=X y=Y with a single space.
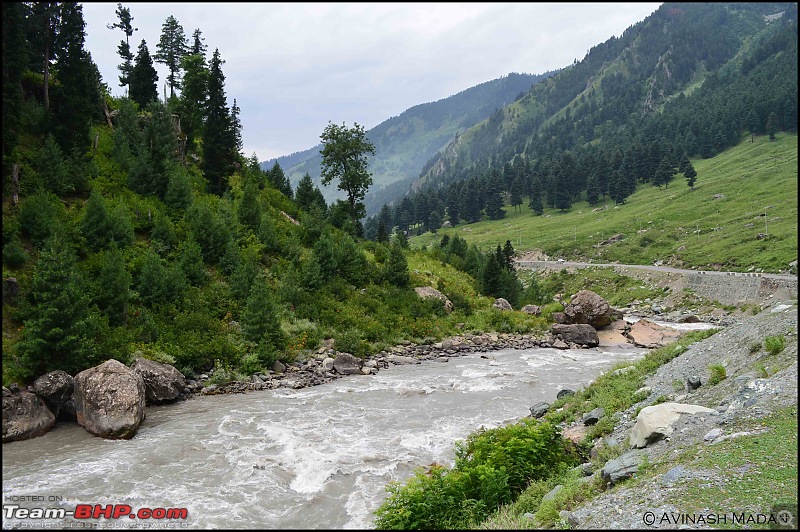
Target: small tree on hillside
x=344 y=158
x=691 y=175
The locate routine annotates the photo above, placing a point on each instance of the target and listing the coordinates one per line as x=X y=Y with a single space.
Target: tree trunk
x=15 y=184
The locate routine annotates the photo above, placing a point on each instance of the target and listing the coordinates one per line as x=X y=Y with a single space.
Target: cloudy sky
x=292 y=68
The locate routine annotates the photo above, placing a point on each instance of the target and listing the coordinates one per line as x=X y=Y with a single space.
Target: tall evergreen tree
x=124 y=49
x=219 y=144
x=691 y=175
x=77 y=97
x=396 y=268
x=194 y=94
x=170 y=49
x=198 y=46
x=249 y=209
x=58 y=332
x=143 y=79
x=113 y=287
x=16 y=50
x=260 y=321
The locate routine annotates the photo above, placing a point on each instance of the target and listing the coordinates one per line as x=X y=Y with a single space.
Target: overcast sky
x=292 y=68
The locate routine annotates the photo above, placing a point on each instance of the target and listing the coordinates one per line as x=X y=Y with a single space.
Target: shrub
x=755 y=347
x=717 y=374
x=775 y=344
x=492 y=466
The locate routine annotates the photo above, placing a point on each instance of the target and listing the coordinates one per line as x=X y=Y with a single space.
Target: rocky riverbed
x=756 y=384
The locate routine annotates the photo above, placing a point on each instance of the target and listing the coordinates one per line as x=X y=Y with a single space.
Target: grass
x=775 y=344
x=761 y=470
x=759 y=184
x=718 y=374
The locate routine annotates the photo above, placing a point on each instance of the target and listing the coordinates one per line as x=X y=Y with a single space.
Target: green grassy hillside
x=741 y=216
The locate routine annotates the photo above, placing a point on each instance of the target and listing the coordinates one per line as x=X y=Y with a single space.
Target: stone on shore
x=110 y=400
x=25 y=415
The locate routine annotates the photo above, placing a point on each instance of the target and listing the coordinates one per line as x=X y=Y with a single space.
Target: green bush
x=775 y=344
x=492 y=467
x=718 y=374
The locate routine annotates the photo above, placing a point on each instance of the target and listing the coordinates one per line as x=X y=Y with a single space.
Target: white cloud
x=294 y=67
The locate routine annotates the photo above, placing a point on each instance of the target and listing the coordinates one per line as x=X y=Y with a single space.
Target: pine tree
x=151 y=285
x=76 y=99
x=113 y=287
x=191 y=262
x=691 y=175
x=16 y=50
x=236 y=126
x=170 y=49
x=51 y=169
x=57 y=333
x=249 y=209
x=535 y=202
x=490 y=279
x=664 y=173
x=279 y=180
x=772 y=125
x=95 y=224
x=516 y=193
x=218 y=141
x=198 y=48
x=593 y=190
x=179 y=189
x=124 y=48
x=192 y=103
x=143 y=79
x=260 y=321
x=396 y=268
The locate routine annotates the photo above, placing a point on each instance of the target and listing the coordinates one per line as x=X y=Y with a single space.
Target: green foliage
x=14 y=254
x=344 y=158
x=492 y=466
x=39 y=214
x=775 y=344
x=718 y=374
x=58 y=332
x=260 y=320
x=396 y=268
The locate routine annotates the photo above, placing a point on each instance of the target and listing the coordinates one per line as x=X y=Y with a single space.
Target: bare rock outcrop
x=110 y=400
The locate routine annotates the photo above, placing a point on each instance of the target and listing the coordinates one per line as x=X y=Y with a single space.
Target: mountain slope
x=404 y=143
x=624 y=84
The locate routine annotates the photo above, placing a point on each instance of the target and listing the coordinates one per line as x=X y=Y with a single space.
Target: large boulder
x=163 y=383
x=534 y=310
x=110 y=400
x=502 y=304
x=427 y=292
x=656 y=422
x=55 y=388
x=347 y=364
x=645 y=333
x=579 y=333
x=25 y=415
x=588 y=307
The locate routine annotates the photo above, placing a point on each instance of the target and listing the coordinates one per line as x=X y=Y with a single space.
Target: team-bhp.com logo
x=93 y=511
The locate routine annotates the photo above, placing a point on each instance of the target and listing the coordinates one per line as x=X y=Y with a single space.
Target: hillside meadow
x=740 y=216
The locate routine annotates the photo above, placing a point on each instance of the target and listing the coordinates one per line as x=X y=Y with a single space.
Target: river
x=314 y=458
